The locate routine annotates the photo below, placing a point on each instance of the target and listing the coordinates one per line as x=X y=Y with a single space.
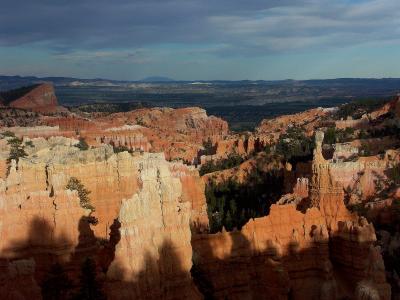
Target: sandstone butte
x=151 y=214
x=40 y=98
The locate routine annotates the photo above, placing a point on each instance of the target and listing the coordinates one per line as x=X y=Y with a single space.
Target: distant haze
x=156 y=79
x=201 y=39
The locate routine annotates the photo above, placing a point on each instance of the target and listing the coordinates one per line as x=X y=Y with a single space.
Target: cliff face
x=42 y=222
x=153 y=257
x=40 y=99
x=324 y=253
x=38 y=228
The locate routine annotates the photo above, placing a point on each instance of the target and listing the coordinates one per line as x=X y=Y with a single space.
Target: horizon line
x=167 y=79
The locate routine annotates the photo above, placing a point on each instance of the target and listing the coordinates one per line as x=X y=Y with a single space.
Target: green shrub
x=360 y=209
x=29 y=144
x=334 y=135
x=294 y=145
x=7 y=134
x=208 y=147
x=118 y=149
x=330 y=136
x=82 y=145
x=16 y=151
x=394 y=176
x=365 y=149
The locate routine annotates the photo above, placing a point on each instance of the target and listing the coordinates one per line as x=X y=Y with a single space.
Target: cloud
x=322 y=24
x=228 y=27
x=137 y=57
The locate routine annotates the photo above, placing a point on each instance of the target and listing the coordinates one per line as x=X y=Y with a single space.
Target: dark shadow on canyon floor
x=47 y=261
x=230 y=266
x=225 y=266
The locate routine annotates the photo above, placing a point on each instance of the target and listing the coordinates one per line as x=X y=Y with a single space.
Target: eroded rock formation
x=154 y=256
x=42 y=222
x=149 y=236
x=323 y=253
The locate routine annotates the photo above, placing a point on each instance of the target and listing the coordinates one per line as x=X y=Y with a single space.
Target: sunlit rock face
x=41 y=98
x=42 y=222
x=309 y=120
x=179 y=133
x=154 y=256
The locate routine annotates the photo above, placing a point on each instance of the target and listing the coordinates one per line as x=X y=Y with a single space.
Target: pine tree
x=229 y=221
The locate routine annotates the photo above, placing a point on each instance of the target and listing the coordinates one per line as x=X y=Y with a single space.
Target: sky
x=200 y=39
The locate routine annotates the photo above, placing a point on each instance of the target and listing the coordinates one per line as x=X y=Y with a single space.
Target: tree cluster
x=334 y=135
x=294 y=145
x=82 y=145
x=119 y=149
x=231 y=204
x=358 y=108
x=233 y=160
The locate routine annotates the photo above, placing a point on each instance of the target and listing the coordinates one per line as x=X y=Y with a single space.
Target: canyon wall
x=151 y=200
x=325 y=253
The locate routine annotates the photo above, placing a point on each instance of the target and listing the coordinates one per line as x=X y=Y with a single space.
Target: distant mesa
x=38 y=97
x=157 y=79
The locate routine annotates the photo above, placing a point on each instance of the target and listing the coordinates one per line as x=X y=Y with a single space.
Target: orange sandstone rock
x=40 y=99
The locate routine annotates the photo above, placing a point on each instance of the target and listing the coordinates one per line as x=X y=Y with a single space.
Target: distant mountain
x=12 y=82
x=157 y=79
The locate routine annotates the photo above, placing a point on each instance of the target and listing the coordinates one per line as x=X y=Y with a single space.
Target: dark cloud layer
x=237 y=27
x=121 y=23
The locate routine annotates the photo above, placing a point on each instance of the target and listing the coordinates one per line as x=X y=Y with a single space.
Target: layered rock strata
x=154 y=256
x=42 y=222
